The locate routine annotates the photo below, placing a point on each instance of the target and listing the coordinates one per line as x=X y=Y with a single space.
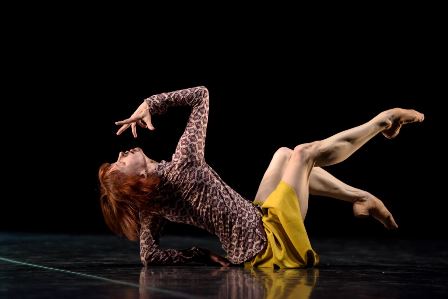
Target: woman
x=139 y=194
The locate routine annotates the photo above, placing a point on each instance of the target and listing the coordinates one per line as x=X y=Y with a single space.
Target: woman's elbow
x=203 y=92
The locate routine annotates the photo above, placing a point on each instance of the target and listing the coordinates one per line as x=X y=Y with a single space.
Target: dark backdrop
x=269 y=87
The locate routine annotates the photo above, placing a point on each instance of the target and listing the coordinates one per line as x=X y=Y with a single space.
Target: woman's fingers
x=123 y=128
x=140 y=117
x=130 y=120
x=147 y=120
x=134 y=130
x=141 y=123
x=219 y=259
x=223 y=262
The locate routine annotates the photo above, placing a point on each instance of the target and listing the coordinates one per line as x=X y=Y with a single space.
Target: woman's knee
x=283 y=153
x=305 y=151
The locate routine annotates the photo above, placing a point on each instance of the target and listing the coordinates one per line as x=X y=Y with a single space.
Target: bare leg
x=324 y=184
x=337 y=148
x=273 y=173
x=364 y=204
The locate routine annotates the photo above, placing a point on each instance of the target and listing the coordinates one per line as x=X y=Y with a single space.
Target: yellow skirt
x=288 y=244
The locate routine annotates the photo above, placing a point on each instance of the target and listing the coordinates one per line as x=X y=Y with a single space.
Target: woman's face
x=132 y=162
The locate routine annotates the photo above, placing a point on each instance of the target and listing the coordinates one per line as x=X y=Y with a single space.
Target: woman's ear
x=143 y=173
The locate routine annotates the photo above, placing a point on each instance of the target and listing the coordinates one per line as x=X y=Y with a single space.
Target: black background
x=271 y=83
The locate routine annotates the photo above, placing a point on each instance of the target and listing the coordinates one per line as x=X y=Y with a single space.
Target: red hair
x=122 y=196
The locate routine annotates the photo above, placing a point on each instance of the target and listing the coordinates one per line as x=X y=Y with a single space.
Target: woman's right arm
x=152 y=254
x=192 y=142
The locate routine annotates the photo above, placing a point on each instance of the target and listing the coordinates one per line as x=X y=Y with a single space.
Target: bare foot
x=370 y=205
x=395 y=118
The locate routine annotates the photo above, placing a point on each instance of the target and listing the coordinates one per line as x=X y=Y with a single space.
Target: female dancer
x=139 y=194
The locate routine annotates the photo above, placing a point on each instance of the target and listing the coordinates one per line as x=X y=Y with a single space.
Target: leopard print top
x=193 y=193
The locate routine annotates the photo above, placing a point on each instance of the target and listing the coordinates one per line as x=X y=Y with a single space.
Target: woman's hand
x=213 y=259
x=141 y=116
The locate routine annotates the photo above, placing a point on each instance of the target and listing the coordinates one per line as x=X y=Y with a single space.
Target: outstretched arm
x=152 y=254
x=190 y=147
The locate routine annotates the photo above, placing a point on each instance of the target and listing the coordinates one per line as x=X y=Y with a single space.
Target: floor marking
x=163 y=291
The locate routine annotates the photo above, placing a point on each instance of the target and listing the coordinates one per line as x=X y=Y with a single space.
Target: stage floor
x=73 y=266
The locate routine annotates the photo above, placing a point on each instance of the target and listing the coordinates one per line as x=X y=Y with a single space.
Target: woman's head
x=126 y=185
x=134 y=162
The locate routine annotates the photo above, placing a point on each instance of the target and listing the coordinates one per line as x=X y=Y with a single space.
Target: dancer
x=138 y=194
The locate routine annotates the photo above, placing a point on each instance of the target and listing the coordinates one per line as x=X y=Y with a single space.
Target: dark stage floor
x=64 y=266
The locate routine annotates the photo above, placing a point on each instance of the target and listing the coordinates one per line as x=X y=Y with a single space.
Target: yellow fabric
x=288 y=245
x=285 y=283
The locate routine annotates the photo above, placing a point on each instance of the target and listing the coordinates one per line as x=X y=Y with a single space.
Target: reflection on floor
x=64 y=266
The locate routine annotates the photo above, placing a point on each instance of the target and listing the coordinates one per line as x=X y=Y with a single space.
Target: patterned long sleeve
x=191 y=192
x=190 y=147
x=152 y=254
